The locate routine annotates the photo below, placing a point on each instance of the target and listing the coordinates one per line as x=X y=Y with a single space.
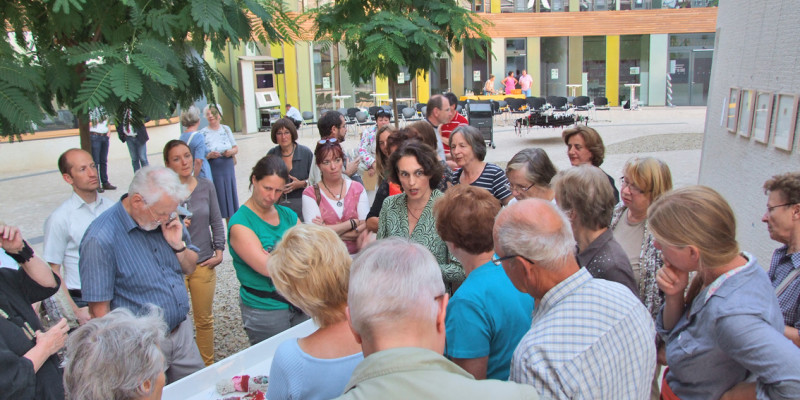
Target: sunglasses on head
x=331 y=140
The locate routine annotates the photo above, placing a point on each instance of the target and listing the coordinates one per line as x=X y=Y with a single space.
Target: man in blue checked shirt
x=589 y=338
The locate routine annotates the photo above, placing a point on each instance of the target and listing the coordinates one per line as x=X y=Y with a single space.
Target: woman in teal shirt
x=252 y=234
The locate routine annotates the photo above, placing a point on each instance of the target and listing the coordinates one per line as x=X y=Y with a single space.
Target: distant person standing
x=488 y=87
x=509 y=82
x=136 y=138
x=294 y=114
x=525 y=83
x=190 y=120
x=98 y=130
x=221 y=155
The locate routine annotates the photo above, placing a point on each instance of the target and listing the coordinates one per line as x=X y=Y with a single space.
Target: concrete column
x=659 y=58
x=575 y=63
x=498 y=64
x=534 y=49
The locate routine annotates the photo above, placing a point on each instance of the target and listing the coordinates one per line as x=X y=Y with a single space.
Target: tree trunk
x=83 y=131
x=392 y=88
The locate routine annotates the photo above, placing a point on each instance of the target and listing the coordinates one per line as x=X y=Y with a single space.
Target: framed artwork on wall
x=745 y=113
x=785 y=121
x=762 y=116
x=733 y=109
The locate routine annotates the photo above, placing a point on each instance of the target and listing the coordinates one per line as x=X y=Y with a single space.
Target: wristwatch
x=183 y=247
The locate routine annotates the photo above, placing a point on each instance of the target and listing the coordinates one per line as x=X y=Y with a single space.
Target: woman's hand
x=213 y=154
x=671 y=280
x=54 y=338
x=318 y=221
x=11 y=239
x=293 y=185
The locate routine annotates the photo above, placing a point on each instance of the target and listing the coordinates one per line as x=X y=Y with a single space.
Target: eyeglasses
x=161 y=217
x=634 y=189
x=770 y=208
x=331 y=140
x=499 y=260
x=519 y=189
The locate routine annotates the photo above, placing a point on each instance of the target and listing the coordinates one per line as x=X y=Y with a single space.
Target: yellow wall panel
x=423 y=87
x=612 y=70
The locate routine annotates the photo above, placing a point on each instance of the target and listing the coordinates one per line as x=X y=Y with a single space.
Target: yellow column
x=612 y=70
x=287 y=83
x=495 y=6
x=423 y=87
x=535 y=65
x=457 y=73
x=382 y=86
x=305 y=88
x=575 y=57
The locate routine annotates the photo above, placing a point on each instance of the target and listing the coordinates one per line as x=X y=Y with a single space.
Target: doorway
x=691 y=75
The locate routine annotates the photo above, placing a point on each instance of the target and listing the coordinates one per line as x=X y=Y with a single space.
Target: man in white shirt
x=98 y=130
x=294 y=115
x=64 y=228
x=525 y=82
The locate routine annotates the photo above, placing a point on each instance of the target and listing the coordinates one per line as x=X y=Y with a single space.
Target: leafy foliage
x=383 y=36
x=131 y=57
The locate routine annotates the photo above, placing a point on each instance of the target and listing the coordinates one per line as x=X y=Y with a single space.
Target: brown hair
x=325 y=149
x=283 y=123
x=651 y=175
x=171 y=145
x=381 y=160
x=425 y=132
x=465 y=217
x=592 y=139
x=426 y=157
x=787 y=184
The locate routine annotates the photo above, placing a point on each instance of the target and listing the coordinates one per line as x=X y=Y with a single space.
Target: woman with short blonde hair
x=310 y=267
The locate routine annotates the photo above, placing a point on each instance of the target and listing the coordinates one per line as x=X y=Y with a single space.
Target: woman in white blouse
x=222 y=150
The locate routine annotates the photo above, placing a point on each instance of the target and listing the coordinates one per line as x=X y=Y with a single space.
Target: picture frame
x=785 y=121
x=762 y=116
x=732 y=110
x=745 y=120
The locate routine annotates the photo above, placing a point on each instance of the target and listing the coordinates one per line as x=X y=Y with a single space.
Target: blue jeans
x=527 y=93
x=138 y=153
x=100 y=156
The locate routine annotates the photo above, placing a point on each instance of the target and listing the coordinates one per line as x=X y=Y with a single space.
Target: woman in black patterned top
x=468 y=149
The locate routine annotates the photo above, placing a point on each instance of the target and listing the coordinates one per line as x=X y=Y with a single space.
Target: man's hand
x=352 y=166
x=212 y=262
x=173 y=233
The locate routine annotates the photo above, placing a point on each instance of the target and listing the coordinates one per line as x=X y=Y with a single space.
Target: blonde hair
x=696 y=216
x=651 y=175
x=310 y=267
x=585 y=190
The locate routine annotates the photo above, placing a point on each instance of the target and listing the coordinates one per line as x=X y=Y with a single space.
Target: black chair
x=601 y=104
x=535 y=103
x=581 y=103
x=557 y=102
x=350 y=118
x=362 y=119
x=373 y=110
x=308 y=119
x=409 y=115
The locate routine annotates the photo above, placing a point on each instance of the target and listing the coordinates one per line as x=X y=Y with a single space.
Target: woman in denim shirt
x=724 y=336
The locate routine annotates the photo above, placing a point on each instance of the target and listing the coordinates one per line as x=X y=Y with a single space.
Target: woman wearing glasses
x=487 y=316
x=644 y=180
x=410 y=214
x=468 y=149
x=529 y=174
x=252 y=235
x=297 y=159
x=338 y=203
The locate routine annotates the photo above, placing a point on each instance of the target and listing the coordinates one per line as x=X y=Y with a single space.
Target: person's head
x=153 y=195
x=694 y=228
x=491 y=77
x=329 y=157
x=424 y=132
x=213 y=114
x=397 y=138
x=534 y=238
x=644 y=179
x=511 y=74
x=118 y=356
x=524 y=72
x=585 y=195
x=78 y=169
x=453 y=99
x=397 y=292
x=382 y=155
x=382 y=118
x=584 y=146
x=310 y=267
x=415 y=168
x=178 y=157
x=529 y=174
x=467 y=145
x=465 y=218
x=783 y=207
x=438 y=111
x=283 y=132
x=332 y=124
x=190 y=117
x=267 y=180
x=288 y=106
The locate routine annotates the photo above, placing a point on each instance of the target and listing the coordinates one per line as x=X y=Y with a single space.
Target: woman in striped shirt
x=468 y=149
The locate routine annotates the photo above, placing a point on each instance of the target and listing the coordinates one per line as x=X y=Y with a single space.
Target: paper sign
x=554 y=73
x=634 y=70
x=476 y=76
x=672 y=65
x=326 y=82
x=401 y=78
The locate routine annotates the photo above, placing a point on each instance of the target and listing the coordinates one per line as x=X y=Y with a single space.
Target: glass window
x=324 y=82
x=553 y=5
x=685 y=3
x=404 y=87
x=594 y=65
x=439 y=77
x=476 y=71
x=634 y=61
x=516 y=6
x=554 y=66
x=516 y=56
x=634 y=4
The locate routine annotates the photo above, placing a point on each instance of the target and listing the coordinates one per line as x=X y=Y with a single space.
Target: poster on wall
x=745 y=113
x=634 y=70
x=785 y=119
x=554 y=74
x=762 y=115
x=326 y=82
x=401 y=78
x=733 y=109
x=476 y=76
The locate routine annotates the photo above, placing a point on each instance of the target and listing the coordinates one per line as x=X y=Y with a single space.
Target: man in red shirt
x=456 y=120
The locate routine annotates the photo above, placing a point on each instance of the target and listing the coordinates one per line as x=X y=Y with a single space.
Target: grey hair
x=537 y=166
x=152 y=182
x=391 y=281
x=113 y=356
x=474 y=138
x=190 y=116
x=526 y=235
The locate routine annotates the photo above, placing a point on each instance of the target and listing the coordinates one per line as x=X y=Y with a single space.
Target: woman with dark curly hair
x=410 y=215
x=298 y=159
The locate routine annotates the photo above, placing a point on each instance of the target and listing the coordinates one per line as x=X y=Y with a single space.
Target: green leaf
x=153 y=69
x=65 y=4
x=92 y=51
x=17 y=110
x=126 y=82
x=95 y=89
x=207 y=14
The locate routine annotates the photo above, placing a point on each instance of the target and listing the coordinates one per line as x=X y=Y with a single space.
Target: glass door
x=691 y=74
x=701 y=76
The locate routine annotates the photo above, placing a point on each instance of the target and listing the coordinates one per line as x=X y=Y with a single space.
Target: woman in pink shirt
x=509 y=82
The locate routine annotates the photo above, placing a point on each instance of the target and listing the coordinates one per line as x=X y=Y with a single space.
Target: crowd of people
x=461 y=280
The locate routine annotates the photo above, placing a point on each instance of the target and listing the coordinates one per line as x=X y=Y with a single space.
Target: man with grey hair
x=396 y=309
x=589 y=338
x=136 y=254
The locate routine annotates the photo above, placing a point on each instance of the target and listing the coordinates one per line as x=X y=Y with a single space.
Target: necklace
x=338 y=196
x=290 y=154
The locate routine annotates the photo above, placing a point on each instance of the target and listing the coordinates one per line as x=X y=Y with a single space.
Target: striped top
x=131 y=267
x=492 y=179
x=590 y=339
x=781 y=266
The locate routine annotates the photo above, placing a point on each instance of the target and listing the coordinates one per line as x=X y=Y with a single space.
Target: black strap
x=274 y=295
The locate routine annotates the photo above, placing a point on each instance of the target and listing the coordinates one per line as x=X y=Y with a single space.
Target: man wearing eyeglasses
x=589 y=338
x=783 y=223
x=136 y=254
x=333 y=126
